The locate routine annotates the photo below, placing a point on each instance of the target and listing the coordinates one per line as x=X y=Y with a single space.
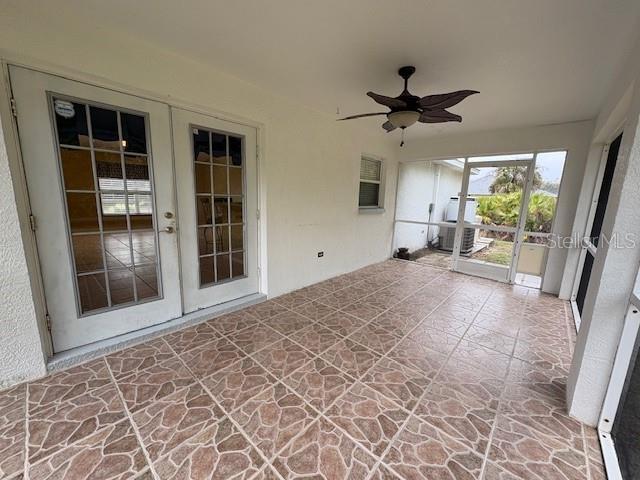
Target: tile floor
x=398 y=370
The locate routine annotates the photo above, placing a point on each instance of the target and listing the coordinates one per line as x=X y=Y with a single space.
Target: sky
x=550 y=165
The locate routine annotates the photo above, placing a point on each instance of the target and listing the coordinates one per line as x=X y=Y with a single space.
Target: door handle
x=168 y=229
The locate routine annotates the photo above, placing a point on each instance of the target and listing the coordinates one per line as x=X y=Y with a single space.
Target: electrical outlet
x=320 y=254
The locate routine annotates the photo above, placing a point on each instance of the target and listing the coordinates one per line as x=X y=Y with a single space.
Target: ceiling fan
x=407 y=109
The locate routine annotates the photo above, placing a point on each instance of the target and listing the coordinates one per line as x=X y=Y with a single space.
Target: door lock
x=168 y=215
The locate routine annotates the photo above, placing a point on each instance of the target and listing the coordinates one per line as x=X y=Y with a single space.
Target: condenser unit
x=447 y=236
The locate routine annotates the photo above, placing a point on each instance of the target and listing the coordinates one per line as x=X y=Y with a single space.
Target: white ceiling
x=534 y=61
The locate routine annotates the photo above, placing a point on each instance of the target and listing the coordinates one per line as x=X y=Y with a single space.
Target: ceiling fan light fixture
x=403 y=119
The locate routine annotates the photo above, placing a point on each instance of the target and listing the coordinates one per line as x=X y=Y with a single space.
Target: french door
x=482 y=247
x=216 y=178
x=99 y=174
x=142 y=212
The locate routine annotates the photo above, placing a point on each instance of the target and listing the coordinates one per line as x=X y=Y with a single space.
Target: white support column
x=612 y=280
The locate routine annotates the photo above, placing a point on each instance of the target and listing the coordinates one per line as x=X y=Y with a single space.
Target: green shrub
x=503 y=209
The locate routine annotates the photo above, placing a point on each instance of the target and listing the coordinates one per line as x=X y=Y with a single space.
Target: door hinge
x=47 y=319
x=258 y=214
x=257 y=152
x=14 y=108
x=32 y=223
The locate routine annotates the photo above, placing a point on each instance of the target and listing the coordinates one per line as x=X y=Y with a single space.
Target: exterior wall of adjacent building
x=419 y=185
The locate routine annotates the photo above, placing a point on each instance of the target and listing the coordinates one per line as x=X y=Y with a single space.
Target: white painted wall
x=21 y=354
x=615 y=269
x=574 y=137
x=309 y=167
x=419 y=184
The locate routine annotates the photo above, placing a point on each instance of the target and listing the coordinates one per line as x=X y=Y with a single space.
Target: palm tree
x=512 y=179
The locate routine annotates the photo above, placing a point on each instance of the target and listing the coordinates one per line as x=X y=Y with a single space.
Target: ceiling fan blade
x=363 y=115
x=439 y=116
x=388 y=101
x=444 y=100
x=388 y=126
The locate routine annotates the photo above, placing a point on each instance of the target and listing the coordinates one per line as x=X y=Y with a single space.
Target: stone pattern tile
x=324 y=451
x=63 y=424
x=221 y=451
x=234 y=385
x=139 y=357
x=368 y=416
x=166 y=423
x=283 y=358
x=273 y=418
x=12 y=431
x=352 y=358
x=142 y=389
x=319 y=383
x=397 y=370
x=111 y=453
x=422 y=452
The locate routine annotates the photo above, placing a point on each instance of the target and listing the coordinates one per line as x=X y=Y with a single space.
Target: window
x=371 y=188
x=106 y=176
x=221 y=223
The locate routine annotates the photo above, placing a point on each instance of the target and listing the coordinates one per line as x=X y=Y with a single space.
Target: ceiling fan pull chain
x=402 y=138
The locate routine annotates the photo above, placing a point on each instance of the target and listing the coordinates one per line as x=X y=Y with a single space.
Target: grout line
x=129 y=417
x=26 y=472
x=228 y=416
x=321 y=414
x=357 y=380
x=485 y=458
x=314 y=356
x=400 y=430
x=585 y=447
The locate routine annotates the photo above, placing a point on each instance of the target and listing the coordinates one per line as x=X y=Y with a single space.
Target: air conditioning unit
x=447 y=236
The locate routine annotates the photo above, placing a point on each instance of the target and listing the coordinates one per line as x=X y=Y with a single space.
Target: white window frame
x=379 y=208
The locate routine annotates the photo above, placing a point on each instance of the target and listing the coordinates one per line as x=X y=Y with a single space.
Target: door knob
x=169 y=229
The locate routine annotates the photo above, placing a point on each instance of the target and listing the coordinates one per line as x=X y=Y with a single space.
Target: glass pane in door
x=106 y=177
x=220 y=195
x=494 y=203
x=540 y=215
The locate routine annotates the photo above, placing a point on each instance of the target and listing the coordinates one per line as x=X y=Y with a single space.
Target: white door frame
x=586 y=246
x=73 y=328
x=195 y=296
x=476 y=268
x=12 y=144
x=617 y=383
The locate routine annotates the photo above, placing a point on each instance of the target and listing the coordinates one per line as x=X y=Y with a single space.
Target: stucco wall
x=309 y=162
x=615 y=267
x=574 y=137
x=20 y=349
